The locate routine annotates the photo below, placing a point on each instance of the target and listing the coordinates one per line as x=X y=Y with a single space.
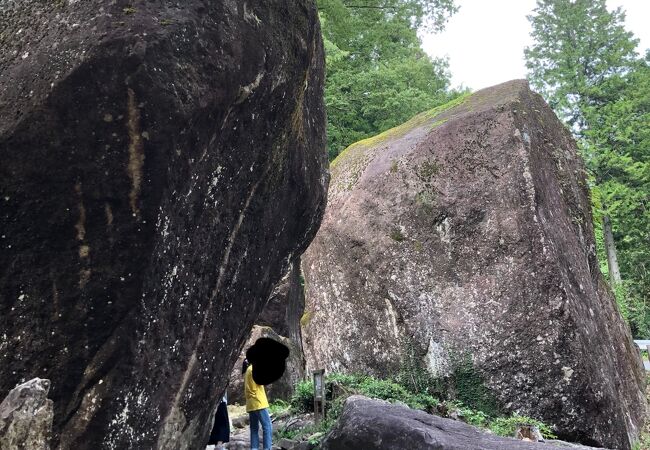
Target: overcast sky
x=485 y=39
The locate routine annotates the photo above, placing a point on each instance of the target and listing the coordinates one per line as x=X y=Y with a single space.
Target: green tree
x=618 y=144
x=377 y=74
x=579 y=46
x=584 y=63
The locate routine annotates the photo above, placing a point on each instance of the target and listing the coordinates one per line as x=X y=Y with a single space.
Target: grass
x=483 y=413
x=278 y=406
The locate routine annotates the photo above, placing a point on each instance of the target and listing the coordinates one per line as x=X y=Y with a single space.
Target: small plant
x=396 y=235
x=284 y=433
x=393 y=167
x=506 y=426
x=469 y=386
x=302 y=399
x=129 y=10
x=278 y=406
x=469 y=415
x=166 y=22
x=427 y=170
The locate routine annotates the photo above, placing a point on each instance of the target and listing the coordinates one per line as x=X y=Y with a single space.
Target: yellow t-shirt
x=255 y=394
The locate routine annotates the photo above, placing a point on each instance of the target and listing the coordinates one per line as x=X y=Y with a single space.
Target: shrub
x=278 y=406
x=302 y=399
x=506 y=426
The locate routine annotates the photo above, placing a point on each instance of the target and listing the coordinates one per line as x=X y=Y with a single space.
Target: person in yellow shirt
x=257 y=408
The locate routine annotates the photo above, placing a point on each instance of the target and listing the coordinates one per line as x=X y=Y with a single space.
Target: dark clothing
x=221 y=428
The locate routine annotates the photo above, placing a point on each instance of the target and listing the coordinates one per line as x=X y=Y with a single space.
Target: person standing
x=221 y=428
x=257 y=408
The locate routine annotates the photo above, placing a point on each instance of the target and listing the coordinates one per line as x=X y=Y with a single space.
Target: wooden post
x=319 y=395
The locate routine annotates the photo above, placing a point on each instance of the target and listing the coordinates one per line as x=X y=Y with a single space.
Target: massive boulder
x=279 y=320
x=378 y=425
x=162 y=166
x=467 y=232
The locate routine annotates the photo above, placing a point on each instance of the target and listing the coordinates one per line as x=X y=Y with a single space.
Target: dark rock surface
x=286 y=306
x=374 y=424
x=279 y=320
x=469 y=230
x=26 y=417
x=162 y=165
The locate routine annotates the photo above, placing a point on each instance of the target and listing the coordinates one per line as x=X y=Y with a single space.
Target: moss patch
x=401 y=130
x=396 y=235
x=306 y=318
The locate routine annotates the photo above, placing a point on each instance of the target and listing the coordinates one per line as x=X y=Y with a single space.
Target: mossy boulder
x=457 y=232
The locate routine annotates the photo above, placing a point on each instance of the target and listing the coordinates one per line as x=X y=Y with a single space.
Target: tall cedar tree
x=584 y=63
x=377 y=74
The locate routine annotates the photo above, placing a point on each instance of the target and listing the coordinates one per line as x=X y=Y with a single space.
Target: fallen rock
x=162 y=167
x=287 y=444
x=375 y=424
x=26 y=417
x=467 y=233
x=241 y=421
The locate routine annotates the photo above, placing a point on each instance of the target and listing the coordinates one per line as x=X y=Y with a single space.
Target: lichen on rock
x=469 y=231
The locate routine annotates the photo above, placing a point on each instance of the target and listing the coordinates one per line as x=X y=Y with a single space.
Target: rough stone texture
x=162 y=164
x=279 y=320
x=281 y=389
x=26 y=417
x=286 y=306
x=468 y=229
x=374 y=424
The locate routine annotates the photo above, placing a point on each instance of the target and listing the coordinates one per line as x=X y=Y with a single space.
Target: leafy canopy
x=377 y=74
x=584 y=63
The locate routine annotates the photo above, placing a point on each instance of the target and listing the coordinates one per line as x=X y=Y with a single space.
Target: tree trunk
x=610 y=248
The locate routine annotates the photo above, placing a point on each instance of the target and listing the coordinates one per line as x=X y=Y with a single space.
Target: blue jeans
x=261 y=415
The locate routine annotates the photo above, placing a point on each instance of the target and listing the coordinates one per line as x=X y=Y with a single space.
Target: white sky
x=485 y=39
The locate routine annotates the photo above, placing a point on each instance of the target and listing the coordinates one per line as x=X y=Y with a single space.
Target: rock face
x=374 y=424
x=279 y=320
x=468 y=231
x=286 y=306
x=281 y=389
x=26 y=417
x=162 y=166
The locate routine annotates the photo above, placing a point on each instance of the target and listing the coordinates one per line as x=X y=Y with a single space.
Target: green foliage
x=468 y=386
x=377 y=74
x=585 y=64
x=578 y=46
x=472 y=416
x=462 y=384
x=506 y=426
x=396 y=235
x=278 y=406
x=284 y=433
x=414 y=376
x=416 y=393
x=302 y=399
